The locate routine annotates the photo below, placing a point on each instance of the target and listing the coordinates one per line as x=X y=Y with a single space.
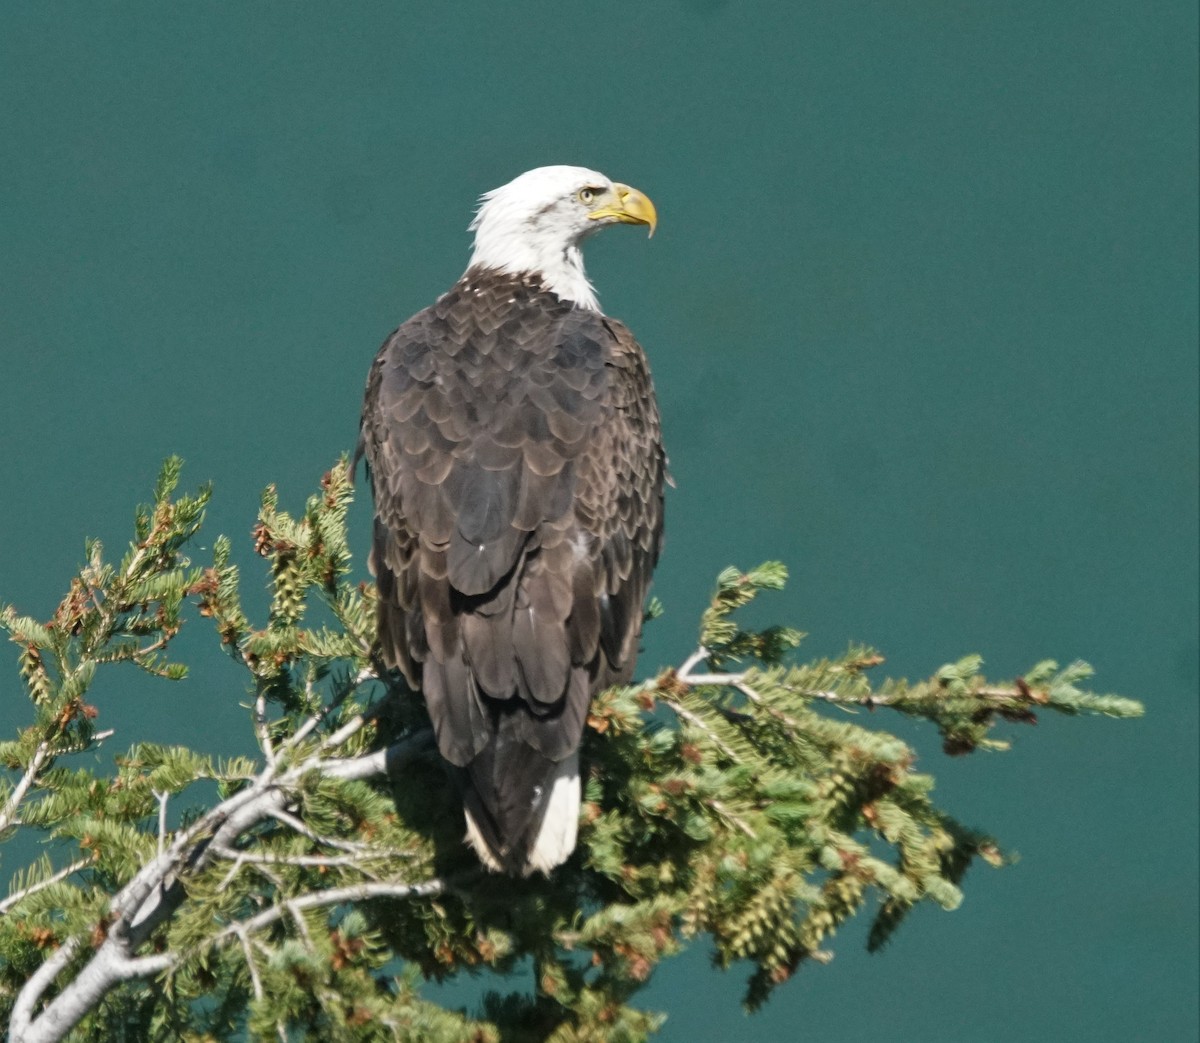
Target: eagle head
x=537 y=222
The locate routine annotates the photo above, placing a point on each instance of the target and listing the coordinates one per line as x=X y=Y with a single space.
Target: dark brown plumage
x=514 y=447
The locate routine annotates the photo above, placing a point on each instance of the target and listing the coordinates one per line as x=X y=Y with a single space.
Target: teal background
x=922 y=312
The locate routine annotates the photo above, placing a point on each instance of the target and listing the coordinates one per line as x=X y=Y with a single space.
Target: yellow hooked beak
x=627 y=205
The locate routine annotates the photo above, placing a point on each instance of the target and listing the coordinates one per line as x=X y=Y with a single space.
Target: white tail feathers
x=560 y=825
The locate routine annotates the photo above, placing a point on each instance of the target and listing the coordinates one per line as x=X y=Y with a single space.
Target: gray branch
x=156 y=891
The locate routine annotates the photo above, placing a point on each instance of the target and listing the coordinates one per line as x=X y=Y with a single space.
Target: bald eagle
x=512 y=438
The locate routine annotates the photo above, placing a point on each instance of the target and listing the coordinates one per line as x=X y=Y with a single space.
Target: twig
x=332 y=896
x=251 y=964
x=263 y=729
x=1021 y=692
x=238 y=859
x=289 y=819
x=301 y=926
x=687 y=715
x=684 y=674
x=41 y=885
x=738 y=681
x=316 y=861
x=154 y=646
x=162 y=799
x=696 y=657
x=758 y=700
x=343 y=733
x=737 y=820
x=870 y=700
x=36 y=763
x=256 y=980
x=84 y=744
x=306 y=728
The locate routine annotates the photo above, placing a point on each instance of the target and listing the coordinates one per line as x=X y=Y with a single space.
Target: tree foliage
x=737 y=797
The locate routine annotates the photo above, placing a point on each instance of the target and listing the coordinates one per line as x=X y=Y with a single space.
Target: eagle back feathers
x=514 y=447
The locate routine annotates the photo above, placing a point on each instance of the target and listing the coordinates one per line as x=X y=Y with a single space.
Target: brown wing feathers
x=514 y=449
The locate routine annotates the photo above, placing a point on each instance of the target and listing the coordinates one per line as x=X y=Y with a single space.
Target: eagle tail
x=546 y=812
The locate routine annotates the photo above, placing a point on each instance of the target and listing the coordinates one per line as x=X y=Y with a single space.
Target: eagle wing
x=516 y=460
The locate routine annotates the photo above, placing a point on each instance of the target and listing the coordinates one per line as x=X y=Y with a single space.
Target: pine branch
x=757 y=811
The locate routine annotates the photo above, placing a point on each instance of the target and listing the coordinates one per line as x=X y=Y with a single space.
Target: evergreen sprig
x=327 y=878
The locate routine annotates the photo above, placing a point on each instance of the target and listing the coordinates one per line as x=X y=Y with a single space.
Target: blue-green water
x=922 y=311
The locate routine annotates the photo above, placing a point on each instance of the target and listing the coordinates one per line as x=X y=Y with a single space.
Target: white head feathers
x=537 y=222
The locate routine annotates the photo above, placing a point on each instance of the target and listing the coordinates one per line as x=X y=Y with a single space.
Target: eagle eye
x=586 y=195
